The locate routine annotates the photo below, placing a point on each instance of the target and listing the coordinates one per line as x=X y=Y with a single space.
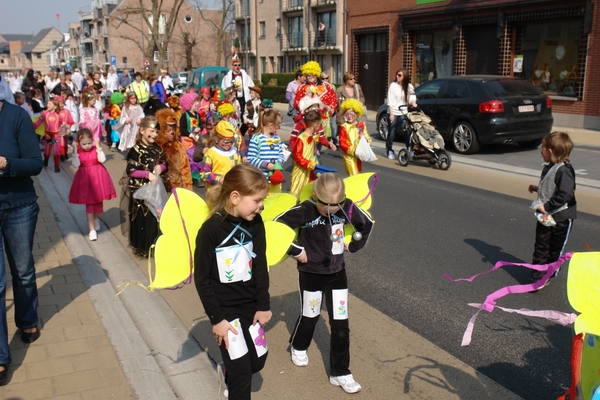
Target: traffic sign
x=113 y=61
x=146 y=63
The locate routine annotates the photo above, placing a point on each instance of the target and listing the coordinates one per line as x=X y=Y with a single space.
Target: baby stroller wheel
x=444 y=160
x=403 y=157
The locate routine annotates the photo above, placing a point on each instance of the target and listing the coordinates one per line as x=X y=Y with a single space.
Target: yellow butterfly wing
x=357 y=189
x=306 y=192
x=277 y=203
x=583 y=290
x=279 y=238
x=40 y=130
x=181 y=219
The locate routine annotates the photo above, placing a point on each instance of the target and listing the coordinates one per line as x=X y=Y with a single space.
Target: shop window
x=435 y=56
x=550 y=55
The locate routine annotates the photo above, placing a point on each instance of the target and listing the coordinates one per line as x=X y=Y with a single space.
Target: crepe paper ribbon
x=576 y=353
x=490 y=301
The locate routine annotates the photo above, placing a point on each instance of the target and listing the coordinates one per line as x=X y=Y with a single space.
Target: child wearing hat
x=252 y=110
x=227 y=111
x=221 y=157
x=309 y=103
x=350 y=133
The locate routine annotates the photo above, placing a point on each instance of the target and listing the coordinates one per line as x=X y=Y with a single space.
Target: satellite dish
x=54 y=42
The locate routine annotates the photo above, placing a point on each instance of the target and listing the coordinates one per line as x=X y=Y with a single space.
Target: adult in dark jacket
x=20 y=159
x=29 y=84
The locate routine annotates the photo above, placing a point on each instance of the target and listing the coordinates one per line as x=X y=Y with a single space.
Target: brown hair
x=329 y=187
x=561 y=145
x=56 y=104
x=347 y=76
x=148 y=122
x=404 y=82
x=84 y=133
x=88 y=96
x=245 y=179
x=312 y=117
x=267 y=117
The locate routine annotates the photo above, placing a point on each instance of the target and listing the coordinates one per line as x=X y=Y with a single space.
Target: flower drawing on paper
x=342 y=309
x=261 y=339
x=229 y=272
x=314 y=304
x=560 y=52
x=250 y=267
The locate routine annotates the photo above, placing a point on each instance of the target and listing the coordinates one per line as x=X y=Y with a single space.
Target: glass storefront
x=550 y=56
x=434 y=55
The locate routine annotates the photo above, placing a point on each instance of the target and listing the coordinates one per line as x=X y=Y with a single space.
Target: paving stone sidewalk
x=73 y=358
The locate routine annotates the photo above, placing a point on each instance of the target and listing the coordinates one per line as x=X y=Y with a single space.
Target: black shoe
x=30 y=337
x=3 y=374
x=57 y=169
x=62 y=158
x=198 y=183
x=45 y=162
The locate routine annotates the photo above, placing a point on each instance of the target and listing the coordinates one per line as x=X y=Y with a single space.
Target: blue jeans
x=389 y=142
x=334 y=130
x=17 y=229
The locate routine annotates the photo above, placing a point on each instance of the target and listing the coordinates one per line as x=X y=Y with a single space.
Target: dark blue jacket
x=19 y=144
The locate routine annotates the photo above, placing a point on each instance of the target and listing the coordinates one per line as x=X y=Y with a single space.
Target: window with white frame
x=263 y=29
x=162 y=24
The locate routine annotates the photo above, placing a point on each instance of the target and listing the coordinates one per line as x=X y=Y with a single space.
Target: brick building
x=124 y=40
x=554 y=44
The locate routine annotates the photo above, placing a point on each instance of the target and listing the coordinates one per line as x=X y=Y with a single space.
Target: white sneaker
x=299 y=357
x=223 y=391
x=391 y=154
x=97 y=224
x=346 y=382
x=93 y=236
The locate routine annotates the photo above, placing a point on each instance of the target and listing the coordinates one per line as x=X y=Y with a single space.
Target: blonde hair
x=561 y=145
x=56 y=104
x=329 y=187
x=245 y=179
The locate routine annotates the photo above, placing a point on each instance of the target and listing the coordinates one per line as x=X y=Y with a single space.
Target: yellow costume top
x=216 y=163
x=349 y=135
x=305 y=160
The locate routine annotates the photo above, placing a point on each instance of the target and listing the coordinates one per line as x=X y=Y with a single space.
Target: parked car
x=206 y=76
x=179 y=77
x=475 y=110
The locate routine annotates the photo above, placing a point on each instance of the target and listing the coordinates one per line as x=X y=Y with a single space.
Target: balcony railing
x=318 y=3
x=242 y=11
x=293 y=41
x=291 y=5
x=323 y=39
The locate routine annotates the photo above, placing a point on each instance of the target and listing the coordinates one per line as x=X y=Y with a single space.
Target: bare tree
x=155 y=32
x=221 y=28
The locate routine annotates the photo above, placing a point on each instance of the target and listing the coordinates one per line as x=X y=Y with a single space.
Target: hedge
x=274 y=93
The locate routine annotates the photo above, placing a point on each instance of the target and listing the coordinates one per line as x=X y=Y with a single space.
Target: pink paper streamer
x=490 y=301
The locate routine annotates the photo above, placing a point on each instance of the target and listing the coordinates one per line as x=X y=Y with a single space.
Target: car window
x=511 y=87
x=211 y=78
x=183 y=75
x=195 y=80
x=428 y=90
x=455 y=90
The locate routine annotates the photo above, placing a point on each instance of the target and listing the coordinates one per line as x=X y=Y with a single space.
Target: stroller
x=426 y=143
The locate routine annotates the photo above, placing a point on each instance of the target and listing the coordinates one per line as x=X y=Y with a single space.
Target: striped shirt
x=264 y=150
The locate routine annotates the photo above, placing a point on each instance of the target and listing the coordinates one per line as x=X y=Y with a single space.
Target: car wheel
x=403 y=157
x=444 y=160
x=382 y=127
x=464 y=138
x=531 y=144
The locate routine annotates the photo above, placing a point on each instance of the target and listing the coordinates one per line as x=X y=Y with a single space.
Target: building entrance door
x=372 y=56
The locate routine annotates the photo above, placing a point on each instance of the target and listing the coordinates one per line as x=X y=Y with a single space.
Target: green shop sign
x=429 y=1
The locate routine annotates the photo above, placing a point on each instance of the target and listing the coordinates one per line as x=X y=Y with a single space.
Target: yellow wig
x=311 y=68
x=226 y=108
x=352 y=104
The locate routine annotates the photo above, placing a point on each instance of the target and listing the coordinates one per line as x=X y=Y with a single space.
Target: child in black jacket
x=322 y=270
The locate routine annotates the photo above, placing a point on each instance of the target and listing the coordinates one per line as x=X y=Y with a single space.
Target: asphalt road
x=426 y=227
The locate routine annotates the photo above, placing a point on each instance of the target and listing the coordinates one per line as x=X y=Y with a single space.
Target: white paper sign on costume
x=257 y=332
x=312 y=304
x=237 y=344
x=340 y=303
x=337 y=247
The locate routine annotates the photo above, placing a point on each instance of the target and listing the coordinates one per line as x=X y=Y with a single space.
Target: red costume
x=52 y=133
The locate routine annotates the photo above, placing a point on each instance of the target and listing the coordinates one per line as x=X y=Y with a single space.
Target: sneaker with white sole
x=346 y=382
x=223 y=391
x=391 y=155
x=93 y=236
x=97 y=224
x=299 y=357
